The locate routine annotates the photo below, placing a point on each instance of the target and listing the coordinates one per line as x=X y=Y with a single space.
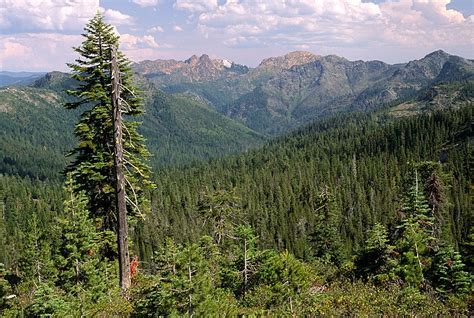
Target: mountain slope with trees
x=376 y=210
x=365 y=161
x=37 y=132
x=361 y=213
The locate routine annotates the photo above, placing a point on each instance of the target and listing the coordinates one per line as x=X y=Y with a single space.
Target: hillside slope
x=365 y=162
x=37 y=131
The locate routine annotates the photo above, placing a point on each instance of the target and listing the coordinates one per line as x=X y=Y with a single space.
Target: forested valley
x=361 y=213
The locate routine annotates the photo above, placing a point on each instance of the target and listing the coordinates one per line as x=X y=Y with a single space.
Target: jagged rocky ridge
x=284 y=92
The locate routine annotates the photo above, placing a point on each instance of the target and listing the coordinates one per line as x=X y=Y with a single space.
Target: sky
x=38 y=35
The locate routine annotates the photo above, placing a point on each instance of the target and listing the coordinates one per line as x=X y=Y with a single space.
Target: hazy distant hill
x=18 y=78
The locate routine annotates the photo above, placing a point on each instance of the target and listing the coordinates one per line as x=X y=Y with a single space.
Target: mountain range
x=203 y=108
x=282 y=93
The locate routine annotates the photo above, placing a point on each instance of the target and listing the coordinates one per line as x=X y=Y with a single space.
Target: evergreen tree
x=449 y=273
x=220 y=211
x=6 y=292
x=416 y=242
x=374 y=260
x=283 y=278
x=3 y=229
x=240 y=272
x=93 y=165
x=78 y=252
x=325 y=238
x=35 y=264
x=435 y=185
x=187 y=278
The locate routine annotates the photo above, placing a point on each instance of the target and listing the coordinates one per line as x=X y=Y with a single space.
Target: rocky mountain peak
x=193 y=60
x=289 y=60
x=437 y=54
x=202 y=60
x=205 y=59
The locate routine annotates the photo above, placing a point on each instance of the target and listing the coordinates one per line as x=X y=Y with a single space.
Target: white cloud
x=150 y=41
x=116 y=17
x=146 y=3
x=196 y=5
x=11 y=48
x=436 y=10
x=156 y=29
x=37 y=51
x=45 y=15
x=51 y=51
x=331 y=23
x=177 y=28
x=132 y=42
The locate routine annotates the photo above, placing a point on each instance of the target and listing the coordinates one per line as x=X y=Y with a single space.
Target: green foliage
x=220 y=210
x=416 y=241
x=78 y=259
x=280 y=184
x=35 y=132
x=6 y=293
x=92 y=167
x=180 y=131
x=282 y=278
x=377 y=238
x=307 y=185
x=245 y=262
x=343 y=298
x=46 y=302
x=325 y=238
x=374 y=262
x=36 y=263
x=185 y=280
x=449 y=273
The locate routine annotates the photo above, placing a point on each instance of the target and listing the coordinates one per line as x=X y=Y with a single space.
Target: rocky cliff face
x=194 y=69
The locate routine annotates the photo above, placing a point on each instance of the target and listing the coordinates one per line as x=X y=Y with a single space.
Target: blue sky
x=38 y=35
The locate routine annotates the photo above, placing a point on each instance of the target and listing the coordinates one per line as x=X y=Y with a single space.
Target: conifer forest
x=127 y=193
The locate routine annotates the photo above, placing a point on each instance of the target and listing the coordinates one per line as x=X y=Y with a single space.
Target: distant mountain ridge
x=285 y=92
x=18 y=78
x=194 y=69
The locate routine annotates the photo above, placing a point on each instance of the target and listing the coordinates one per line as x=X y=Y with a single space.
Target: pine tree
x=325 y=239
x=449 y=273
x=93 y=165
x=110 y=158
x=77 y=255
x=187 y=279
x=416 y=242
x=285 y=277
x=374 y=260
x=220 y=210
x=246 y=257
x=6 y=292
x=35 y=263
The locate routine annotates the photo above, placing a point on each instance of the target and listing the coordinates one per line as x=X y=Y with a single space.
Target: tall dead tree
x=120 y=197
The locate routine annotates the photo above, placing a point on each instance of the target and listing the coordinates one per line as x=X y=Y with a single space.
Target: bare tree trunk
x=245 y=267
x=122 y=231
x=190 y=305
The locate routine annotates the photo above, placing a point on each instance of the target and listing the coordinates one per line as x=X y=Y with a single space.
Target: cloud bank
x=331 y=23
x=42 y=32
